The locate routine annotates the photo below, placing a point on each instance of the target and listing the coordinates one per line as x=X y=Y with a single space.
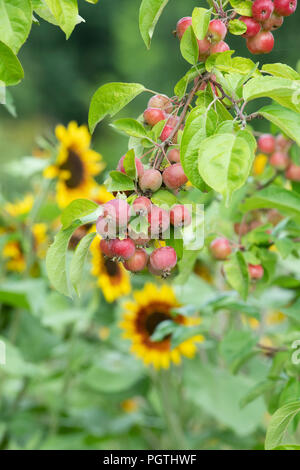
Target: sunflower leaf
x=78 y=260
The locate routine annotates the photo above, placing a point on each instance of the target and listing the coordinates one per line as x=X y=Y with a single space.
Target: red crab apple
x=216 y=31
x=293 y=172
x=123 y=249
x=253 y=27
x=159 y=221
x=180 y=216
x=262 y=9
x=166 y=133
x=204 y=47
x=161 y=101
x=117 y=210
x=285 y=7
x=163 y=259
x=105 y=246
x=174 y=176
x=279 y=160
x=241 y=229
x=142 y=205
x=220 y=248
x=256 y=271
x=266 y=143
x=154 y=115
x=138 y=164
x=219 y=47
x=182 y=25
x=274 y=22
x=151 y=180
x=173 y=156
x=262 y=43
x=137 y=262
x=282 y=143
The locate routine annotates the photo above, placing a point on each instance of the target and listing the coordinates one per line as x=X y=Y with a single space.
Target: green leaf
x=199 y=125
x=77 y=209
x=242 y=7
x=15 y=22
x=281 y=70
x=237 y=27
x=130 y=127
x=78 y=260
x=129 y=164
x=150 y=11
x=279 y=424
x=274 y=197
x=223 y=62
x=225 y=161
x=237 y=344
x=200 y=21
x=56 y=259
x=282 y=90
x=256 y=391
x=181 y=86
x=109 y=99
x=65 y=13
x=189 y=46
x=287 y=120
x=163 y=197
x=11 y=71
x=118 y=181
x=237 y=274
x=163 y=329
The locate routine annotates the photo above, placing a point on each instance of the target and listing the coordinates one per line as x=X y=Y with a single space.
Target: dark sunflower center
x=111 y=267
x=153 y=320
x=74 y=165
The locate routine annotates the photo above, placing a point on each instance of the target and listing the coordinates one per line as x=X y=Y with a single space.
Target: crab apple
x=154 y=115
x=183 y=25
x=266 y=143
x=279 y=160
x=173 y=121
x=105 y=246
x=274 y=217
x=220 y=248
x=285 y=7
x=138 y=164
x=262 y=9
x=282 y=143
x=137 y=262
x=262 y=43
x=253 y=27
x=241 y=229
x=139 y=238
x=122 y=249
x=256 y=271
x=180 y=216
x=274 y=22
x=204 y=47
x=117 y=210
x=161 y=102
x=219 y=47
x=166 y=132
x=159 y=221
x=293 y=172
x=163 y=259
x=155 y=272
x=142 y=205
x=174 y=176
x=173 y=156
x=216 y=31
x=107 y=227
x=151 y=180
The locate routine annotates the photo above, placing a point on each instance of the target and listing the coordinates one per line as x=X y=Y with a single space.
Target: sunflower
x=14 y=256
x=152 y=306
x=76 y=164
x=259 y=163
x=21 y=207
x=113 y=279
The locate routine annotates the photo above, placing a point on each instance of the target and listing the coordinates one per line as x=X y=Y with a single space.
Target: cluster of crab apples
x=266 y=17
x=277 y=149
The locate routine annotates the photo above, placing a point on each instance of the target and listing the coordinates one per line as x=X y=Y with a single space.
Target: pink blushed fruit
x=142 y=205
x=174 y=176
x=154 y=115
x=262 y=9
x=274 y=22
x=293 y=173
x=161 y=101
x=118 y=211
x=282 y=143
x=204 y=47
x=216 y=31
x=279 y=160
x=137 y=262
x=262 y=43
x=122 y=249
x=159 y=221
x=182 y=26
x=163 y=259
x=253 y=27
x=266 y=143
x=173 y=156
x=220 y=248
x=151 y=180
x=138 y=164
x=105 y=247
x=166 y=133
x=256 y=271
x=285 y=7
x=219 y=47
x=180 y=216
